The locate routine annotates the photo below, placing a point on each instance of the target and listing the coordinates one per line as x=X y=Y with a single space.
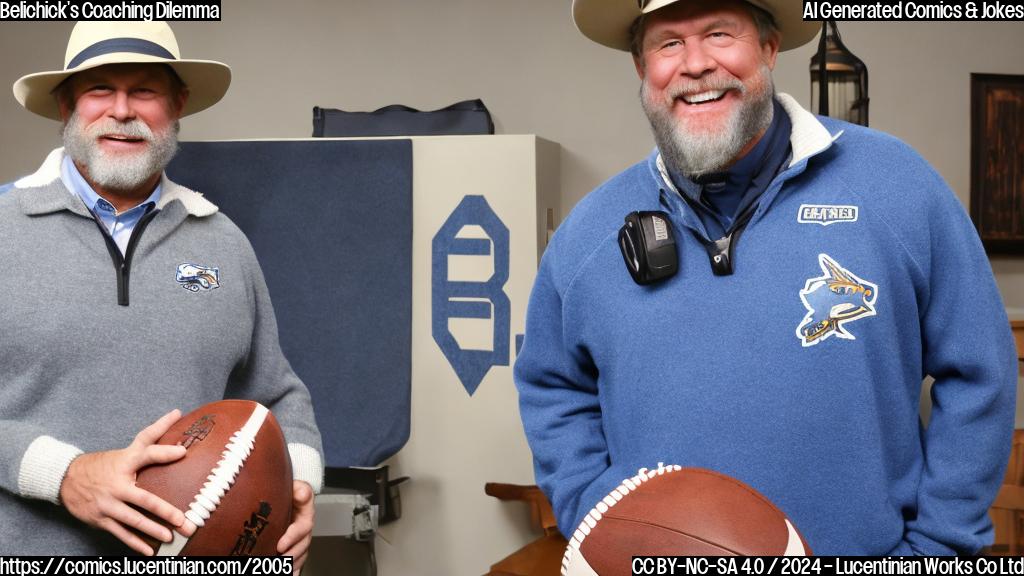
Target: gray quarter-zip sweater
x=92 y=351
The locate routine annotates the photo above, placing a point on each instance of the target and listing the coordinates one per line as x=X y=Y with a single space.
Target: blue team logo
x=833 y=300
x=472 y=299
x=194 y=277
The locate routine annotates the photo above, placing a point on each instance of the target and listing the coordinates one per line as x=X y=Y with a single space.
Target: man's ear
x=180 y=100
x=638 y=62
x=65 y=102
x=770 y=51
x=65 y=111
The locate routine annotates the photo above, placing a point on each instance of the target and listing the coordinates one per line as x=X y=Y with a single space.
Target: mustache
x=136 y=129
x=704 y=84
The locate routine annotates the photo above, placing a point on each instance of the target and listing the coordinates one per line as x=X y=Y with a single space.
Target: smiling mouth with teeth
x=703 y=97
x=117 y=138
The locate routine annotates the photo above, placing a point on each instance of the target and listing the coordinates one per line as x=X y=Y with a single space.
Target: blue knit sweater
x=799 y=374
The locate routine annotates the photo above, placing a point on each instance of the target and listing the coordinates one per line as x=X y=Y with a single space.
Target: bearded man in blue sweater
x=824 y=269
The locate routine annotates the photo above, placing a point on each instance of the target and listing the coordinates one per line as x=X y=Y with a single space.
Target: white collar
x=194 y=202
x=808 y=136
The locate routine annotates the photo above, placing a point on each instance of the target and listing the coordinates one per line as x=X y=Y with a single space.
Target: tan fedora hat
x=608 y=21
x=95 y=44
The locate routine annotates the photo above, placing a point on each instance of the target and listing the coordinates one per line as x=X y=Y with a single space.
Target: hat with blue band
x=608 y=22
x=94 y=44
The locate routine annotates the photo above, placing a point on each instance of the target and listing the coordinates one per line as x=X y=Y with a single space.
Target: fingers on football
x=298 y=561
x=299 y=551
x=300 y=531
x=187 y=528
x=295 y=540
x=302 y=493
x=150 y=434
x=122 y=534
x=158 y=507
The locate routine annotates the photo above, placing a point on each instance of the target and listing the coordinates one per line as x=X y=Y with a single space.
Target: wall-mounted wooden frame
x=997 y=161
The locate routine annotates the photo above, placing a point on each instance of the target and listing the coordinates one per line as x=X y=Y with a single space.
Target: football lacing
x=590 y=521
x=220 y=479
x=224 y=473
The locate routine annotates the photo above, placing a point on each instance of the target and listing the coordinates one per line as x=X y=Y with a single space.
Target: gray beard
x=694 y=154
x=120 y=172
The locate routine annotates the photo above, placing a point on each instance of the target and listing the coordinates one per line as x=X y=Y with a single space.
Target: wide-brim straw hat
x=608 y=21
x=94 y=44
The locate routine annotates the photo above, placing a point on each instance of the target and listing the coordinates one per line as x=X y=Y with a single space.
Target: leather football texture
x=675 y=511
x=234 y=482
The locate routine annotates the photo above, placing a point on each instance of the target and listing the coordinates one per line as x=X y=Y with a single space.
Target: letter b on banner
x=477 y=298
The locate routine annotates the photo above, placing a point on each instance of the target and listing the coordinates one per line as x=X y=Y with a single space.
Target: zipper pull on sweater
x=122 y=263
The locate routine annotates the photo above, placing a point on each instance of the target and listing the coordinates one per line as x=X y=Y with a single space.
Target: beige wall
x=530 y=66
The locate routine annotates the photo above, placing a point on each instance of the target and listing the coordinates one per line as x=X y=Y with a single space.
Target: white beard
x=122 y=171
x=693 y=153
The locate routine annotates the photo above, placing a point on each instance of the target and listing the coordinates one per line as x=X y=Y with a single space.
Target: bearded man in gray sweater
x=88 y=359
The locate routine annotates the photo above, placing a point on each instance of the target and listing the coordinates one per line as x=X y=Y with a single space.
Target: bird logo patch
x=834 y=300
x=194 y=277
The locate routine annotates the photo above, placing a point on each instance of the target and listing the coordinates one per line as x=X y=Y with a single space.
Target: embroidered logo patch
x=826 y=214
x=833 y=300
x=194 y=277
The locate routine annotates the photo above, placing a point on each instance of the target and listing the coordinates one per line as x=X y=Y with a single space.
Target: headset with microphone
x=648 y=246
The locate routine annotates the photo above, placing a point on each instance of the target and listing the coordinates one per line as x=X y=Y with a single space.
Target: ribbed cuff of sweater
x=307 y=465
x=43 y=467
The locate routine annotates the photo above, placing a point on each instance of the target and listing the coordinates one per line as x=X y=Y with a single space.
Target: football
x=234 y=482
x=675 y=511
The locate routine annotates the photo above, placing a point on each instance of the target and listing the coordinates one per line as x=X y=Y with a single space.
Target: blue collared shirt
x=119 y=226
